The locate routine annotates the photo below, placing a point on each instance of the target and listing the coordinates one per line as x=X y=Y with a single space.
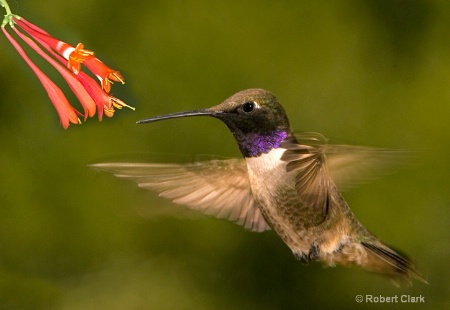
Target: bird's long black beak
x=202 y=112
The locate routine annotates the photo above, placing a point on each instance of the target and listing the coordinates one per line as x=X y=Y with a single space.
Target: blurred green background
x=373 y=73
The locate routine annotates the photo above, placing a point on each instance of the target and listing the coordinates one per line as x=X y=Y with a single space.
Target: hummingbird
x=284 y=183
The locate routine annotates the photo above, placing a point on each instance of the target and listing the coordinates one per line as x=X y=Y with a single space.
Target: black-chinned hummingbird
x=283 y=183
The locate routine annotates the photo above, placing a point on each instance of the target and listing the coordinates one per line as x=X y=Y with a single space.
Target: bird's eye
x=248 y=106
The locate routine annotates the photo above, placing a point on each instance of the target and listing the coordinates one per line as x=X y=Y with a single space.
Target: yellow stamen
x=108 y=112
x=119 y=104
x=116 y=76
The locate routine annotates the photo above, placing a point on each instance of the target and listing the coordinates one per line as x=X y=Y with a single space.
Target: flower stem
x=6 y=6
x=8 y=19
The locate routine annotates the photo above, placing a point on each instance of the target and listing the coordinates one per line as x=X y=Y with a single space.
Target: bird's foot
x=313 y=254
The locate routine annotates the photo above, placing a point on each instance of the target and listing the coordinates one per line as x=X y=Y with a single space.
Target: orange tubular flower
x=66 y=112
x=67 y=60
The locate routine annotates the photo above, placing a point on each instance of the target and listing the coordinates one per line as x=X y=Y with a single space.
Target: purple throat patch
x=257 y=144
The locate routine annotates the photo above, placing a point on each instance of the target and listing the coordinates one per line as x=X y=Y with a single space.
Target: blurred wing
x=350 y=165
x=217 y=187
x=306 y=160
x=318 y=166
x=353 y=165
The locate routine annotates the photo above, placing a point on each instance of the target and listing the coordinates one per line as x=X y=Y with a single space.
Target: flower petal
x=104 y=73
x=95 y=91
x=77 y=57
x=37 y=33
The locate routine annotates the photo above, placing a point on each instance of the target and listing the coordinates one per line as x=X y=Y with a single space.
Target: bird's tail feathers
x=383 y=259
